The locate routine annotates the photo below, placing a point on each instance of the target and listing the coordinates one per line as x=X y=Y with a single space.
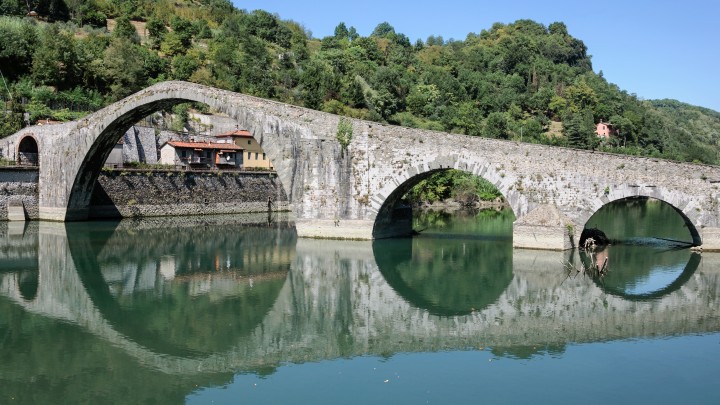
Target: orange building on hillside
x=254 y=156
x=605 y=129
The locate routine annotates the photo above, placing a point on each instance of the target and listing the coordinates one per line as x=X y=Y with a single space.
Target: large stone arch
x=387 y=218
x=90 y=142
x=686 y=208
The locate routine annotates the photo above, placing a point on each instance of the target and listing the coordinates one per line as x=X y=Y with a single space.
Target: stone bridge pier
x=354 y=191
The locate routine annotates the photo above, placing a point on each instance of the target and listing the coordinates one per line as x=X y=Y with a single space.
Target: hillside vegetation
x=518 y=81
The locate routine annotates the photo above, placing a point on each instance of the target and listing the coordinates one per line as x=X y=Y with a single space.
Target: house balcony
x=196 y=160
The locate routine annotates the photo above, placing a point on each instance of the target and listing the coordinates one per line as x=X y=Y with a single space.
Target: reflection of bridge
x=552 y=191
x=339 y=283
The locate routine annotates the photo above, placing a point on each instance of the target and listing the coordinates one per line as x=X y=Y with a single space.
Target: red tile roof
x=240 y=132
x=204 y=145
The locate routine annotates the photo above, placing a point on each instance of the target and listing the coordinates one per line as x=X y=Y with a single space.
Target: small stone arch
x=28 y=153
x=393 y=220
x=688 y=214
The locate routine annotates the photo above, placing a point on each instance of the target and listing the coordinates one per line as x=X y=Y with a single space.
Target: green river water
x=239 y=310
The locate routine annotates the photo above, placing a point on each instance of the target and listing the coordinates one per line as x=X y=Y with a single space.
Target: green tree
x=579 y=129
x=341 y=31
x=183 y=29
x=18 y=40
x=173 y=44
x=156 y=31
x=581 y=96
x=496 y=125
x=125 y=29
x=55 y=61
x=422 y=99
x=315 y=79
x=124 y=78
x=11 y=118
x=183 y=66
x=383 y=30
x=467 y=118
x=12 y=7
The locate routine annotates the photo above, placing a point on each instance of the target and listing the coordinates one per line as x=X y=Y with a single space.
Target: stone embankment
x=19 y=191
x=141 y=193
x=149 y=193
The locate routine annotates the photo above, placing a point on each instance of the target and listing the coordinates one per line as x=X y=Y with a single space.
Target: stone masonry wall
x=19 y=186
x=129 y=193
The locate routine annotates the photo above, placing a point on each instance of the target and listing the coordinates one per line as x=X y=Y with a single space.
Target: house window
x=183 y=153
x=263 y=156
x=249 y=142
x=256 y=156
x=248 y=155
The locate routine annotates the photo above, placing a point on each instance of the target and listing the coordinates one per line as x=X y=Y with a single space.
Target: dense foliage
x=521 y=81
x=461 y=186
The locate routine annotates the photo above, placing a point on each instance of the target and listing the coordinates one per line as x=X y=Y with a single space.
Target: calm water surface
x=203 y=310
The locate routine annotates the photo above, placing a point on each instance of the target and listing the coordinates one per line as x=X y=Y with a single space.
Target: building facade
x=202 y=155
x=604 y=129
x=253 y=155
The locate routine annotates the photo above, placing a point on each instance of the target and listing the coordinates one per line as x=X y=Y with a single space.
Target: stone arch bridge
x=552 y=191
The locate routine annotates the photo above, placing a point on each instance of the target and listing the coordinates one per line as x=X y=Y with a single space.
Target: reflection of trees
x=446 y=276
x=222 y=281
x=480 y=223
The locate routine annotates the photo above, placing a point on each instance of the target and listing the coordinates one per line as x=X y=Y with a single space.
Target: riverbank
x=450 y=205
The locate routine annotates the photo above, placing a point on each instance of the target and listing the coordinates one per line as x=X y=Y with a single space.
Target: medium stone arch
x=689 y=214
x=28 y=151
x=96 y=135
x=390 y=219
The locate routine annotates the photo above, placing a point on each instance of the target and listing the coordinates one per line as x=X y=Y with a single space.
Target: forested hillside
x=521 y=81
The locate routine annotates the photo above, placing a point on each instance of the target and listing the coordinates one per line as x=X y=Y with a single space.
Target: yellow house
x=254 y=157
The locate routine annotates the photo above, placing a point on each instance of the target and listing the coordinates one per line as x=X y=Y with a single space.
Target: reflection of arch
x=201 y=325
x=687 y=214
x=389 y=214
x=688 y=271
x=468 y=289
x=28 y=151
x=28 y=282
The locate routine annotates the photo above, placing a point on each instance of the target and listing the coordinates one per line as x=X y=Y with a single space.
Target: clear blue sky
x=653 y=48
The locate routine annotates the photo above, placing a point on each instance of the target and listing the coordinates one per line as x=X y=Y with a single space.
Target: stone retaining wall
x=140 y=193
x=19 y=187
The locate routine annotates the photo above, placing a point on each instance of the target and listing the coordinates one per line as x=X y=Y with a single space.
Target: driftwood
x=596 y=265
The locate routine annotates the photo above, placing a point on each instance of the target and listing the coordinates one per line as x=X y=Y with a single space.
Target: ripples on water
x=204 y=309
